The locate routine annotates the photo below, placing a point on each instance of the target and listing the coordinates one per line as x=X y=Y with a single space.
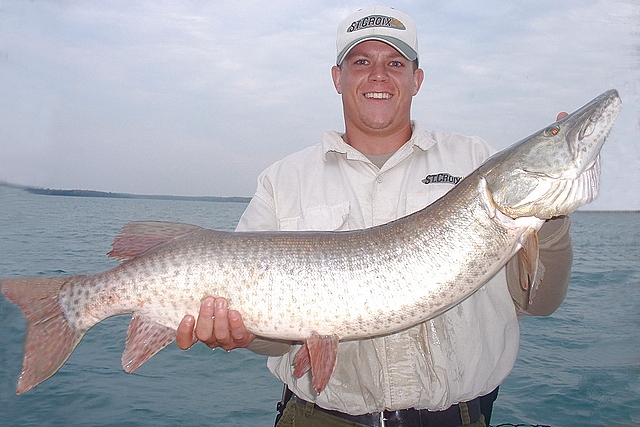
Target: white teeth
x=378 y=95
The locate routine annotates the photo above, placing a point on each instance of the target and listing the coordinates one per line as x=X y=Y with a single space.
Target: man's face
x=377 y=84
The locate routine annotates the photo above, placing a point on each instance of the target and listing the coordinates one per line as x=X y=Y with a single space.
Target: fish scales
x=321 y=287
x=310 y=282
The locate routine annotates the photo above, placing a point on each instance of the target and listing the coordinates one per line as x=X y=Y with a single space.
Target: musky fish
x=322 y=287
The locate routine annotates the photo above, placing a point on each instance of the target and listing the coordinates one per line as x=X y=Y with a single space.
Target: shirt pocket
x=432 y=192
x=318 y=218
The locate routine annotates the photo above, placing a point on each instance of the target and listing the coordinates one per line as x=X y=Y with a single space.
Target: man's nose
x=379 y=73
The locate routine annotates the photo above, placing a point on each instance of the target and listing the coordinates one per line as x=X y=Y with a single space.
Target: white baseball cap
x=380 y=23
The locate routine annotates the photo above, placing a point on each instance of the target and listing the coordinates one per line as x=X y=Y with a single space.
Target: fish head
x=557 y=169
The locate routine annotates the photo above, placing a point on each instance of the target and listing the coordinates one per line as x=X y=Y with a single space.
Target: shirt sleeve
x=260 y=214
x=556 y=255
x=269 y=348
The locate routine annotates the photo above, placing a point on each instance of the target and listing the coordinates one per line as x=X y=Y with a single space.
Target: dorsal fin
x=136 y=237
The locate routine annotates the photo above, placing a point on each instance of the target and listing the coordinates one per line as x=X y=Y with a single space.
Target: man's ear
x=418 y=78
x=335 y=75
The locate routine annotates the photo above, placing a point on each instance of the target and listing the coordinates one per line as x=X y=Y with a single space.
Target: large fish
x=321 y=287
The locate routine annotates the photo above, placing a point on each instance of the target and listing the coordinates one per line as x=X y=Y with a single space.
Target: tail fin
x=50 y=337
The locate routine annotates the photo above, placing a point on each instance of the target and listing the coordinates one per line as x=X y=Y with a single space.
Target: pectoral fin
x=530 y=268
x=144 y=339
x=318 y=354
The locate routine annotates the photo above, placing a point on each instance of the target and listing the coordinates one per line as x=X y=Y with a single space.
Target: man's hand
x=216 y=327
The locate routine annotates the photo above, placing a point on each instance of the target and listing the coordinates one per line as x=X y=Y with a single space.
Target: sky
x=196 y=98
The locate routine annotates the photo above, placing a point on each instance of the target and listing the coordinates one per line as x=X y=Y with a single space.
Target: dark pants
x=301 y=413
x=486 y=404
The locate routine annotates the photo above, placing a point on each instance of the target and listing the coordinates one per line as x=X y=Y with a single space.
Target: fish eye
x=551 y=130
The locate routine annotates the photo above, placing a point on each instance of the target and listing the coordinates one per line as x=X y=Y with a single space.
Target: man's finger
x=221 y=323
x=204 y=328
x=185 y=335
x=239 y=332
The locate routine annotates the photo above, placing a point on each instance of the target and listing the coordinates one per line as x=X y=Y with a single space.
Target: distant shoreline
x=105 y=194
x=232 y=199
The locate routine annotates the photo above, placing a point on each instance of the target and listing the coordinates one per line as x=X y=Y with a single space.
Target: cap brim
x=404 y=49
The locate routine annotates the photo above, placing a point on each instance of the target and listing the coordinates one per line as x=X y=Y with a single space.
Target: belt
x=451 y=417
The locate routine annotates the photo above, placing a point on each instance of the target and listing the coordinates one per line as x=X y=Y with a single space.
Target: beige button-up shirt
x=465 y=352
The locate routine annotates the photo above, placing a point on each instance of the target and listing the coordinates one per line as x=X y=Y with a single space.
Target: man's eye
x=362 y=62
x=396 y=64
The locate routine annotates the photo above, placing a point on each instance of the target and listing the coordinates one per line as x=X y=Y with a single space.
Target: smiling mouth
x=378 y=95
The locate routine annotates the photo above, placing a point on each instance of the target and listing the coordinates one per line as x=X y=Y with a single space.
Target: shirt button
x=379 y=179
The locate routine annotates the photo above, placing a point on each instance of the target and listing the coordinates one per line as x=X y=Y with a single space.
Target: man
x=384 y=167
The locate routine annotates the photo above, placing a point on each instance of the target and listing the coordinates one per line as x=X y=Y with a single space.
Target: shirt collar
x=333 y=142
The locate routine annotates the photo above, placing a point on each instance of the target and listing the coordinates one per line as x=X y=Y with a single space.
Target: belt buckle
x=404 y=417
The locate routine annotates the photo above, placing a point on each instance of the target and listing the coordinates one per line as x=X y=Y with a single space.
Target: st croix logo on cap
x=376 y=21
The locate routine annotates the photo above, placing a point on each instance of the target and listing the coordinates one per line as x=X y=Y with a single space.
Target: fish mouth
x=589 y=134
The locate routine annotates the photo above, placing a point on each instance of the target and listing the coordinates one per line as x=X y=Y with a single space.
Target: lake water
x=579 y=367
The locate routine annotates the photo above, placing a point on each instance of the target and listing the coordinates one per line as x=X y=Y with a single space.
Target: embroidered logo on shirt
x=440 y=178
